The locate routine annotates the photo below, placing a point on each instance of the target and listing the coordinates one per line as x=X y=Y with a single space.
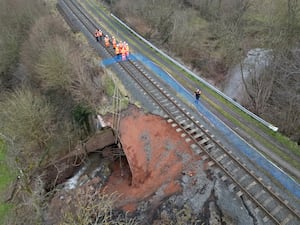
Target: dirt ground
x=157 y=156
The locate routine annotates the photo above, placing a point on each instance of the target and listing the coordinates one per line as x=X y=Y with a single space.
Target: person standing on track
x=100 y=34
x=123 y=53
x=117 y=51
x=120 y=46
x=197 y=95
x=114 y=42
x=106 y=41
x=97 y=35
x=127 y=50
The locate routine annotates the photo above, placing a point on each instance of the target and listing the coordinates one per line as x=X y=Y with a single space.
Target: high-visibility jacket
x=106 y=40
x=114 y=43
x=127 y=49
x=96 y=33
x=120 y=46
x=123 y=51
x=117 y=50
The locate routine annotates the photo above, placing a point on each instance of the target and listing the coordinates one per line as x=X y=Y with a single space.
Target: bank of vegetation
x=50 y=85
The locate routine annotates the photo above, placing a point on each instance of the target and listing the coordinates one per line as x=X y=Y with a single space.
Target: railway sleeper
x=204 y=157
x=165 y=116
x=257 y=210
x=266 y=219
x=178 y=130
x=216 y=153
x=197 y=135
x=276 y=210
x=267 y=202
x=164 y=100
x=155 y=93
x=228 y=163
x=243 y=178
x=196 y=148
x=178 y=117
x=211 y=163
x=286 y=220
x=239 y=193
x=182 y=122
x=174 y=125
x=224 y=178
x=252 y=184
x=170 y=120
x=189 y=126
x=220 y=157
x=231 y=187
x=167 y=105
x=204 y=140
x=209 y=146
x=259 y=194
x=235 y=170
x=175 y=112
x=187 y=140
x=191 y=131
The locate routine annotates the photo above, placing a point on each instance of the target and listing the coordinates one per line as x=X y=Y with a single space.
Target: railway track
x=267 y=203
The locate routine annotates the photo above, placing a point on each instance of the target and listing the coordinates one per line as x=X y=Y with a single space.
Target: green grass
x=6 y=176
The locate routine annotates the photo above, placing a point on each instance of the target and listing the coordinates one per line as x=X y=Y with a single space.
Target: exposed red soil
x=154 y=152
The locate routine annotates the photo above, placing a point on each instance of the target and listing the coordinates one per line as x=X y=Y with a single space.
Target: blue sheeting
x=232 y=137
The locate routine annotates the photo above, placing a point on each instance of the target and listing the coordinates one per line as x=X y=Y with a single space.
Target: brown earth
x=157 y=156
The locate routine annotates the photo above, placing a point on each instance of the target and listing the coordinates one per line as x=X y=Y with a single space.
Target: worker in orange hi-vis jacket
x=123 y=52
x=114 y=42
x=106 y=41
x=100 y=34
x=117 y=51
x=97 y=34
x=127 y=50
x=120 y=46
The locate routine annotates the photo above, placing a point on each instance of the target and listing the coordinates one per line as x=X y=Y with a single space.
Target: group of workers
x=122 y=52
x=121 y=48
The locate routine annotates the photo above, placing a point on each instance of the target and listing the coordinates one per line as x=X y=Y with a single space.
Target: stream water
x=94 y=165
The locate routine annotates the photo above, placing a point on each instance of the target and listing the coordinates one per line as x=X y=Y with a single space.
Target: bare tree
x=43 y=30
x=53 y=66
x=285 y=98
x=27 y=120
x=87 y=81
x=16 y=16
x=91 y=207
